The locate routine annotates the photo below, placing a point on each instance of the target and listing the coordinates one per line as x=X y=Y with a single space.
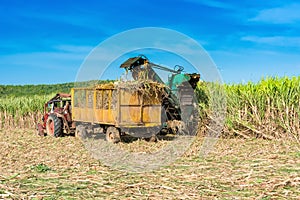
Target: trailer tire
x=54 y=126
x=81 y=132
x=153 y=138
x=113 y=134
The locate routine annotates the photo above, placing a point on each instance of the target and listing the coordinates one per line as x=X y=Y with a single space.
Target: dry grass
x=61 y=168
x=142 y=145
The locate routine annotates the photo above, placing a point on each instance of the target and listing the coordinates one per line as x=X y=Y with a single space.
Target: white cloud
x=274 y=40
x=280 y=15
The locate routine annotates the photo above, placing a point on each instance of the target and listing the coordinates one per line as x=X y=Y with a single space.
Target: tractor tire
x=113 y=134
x=54 y=126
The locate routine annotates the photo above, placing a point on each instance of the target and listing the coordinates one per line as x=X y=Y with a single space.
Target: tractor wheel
x=81 y=132
x=113 y=134
x=54 y=126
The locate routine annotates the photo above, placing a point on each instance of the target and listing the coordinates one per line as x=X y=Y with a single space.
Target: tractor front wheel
x=54 y=126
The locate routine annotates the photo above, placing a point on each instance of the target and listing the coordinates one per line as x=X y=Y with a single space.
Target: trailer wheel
x=54 y=126
x=113 y=134
x=80 y=132
x=153 y=138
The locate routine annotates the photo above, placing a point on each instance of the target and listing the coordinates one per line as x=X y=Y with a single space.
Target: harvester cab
x=142 y=68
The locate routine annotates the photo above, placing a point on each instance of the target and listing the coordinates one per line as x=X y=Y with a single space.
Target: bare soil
x=33 y=167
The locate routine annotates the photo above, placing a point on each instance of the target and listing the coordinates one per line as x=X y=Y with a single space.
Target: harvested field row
x=61 y=168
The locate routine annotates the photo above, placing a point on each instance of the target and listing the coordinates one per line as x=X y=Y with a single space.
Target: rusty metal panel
x=130 y=115
x=105 y=116
x=77 y=114
x=108 y=117
x=89 y=114
x=152 y=114
x=129 y=98
x=98 y=115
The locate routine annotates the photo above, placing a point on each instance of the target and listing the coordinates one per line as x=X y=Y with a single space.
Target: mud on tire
x=113 y=135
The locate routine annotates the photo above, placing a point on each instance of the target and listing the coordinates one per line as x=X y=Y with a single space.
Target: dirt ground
x=34 y=167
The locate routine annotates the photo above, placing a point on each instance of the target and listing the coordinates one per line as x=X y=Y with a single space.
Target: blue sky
x=46 y=41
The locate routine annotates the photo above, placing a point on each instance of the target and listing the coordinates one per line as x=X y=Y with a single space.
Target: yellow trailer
x=134 y=110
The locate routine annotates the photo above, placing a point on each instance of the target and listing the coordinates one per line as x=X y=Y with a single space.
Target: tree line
x=43 y=89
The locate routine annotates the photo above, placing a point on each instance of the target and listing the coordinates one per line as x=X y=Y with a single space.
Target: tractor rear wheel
x=113 y=134
x=54 y=126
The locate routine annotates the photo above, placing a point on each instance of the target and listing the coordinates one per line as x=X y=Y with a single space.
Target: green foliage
x=270 y=105
x=29 y=90
x=23 y=105
x=268 y=109
x=41 y=168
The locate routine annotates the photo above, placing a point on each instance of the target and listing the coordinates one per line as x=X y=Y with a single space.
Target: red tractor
x=57 y=117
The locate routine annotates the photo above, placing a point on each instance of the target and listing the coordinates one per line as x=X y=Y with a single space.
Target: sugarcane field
x=150 y=100
x=256 y=155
